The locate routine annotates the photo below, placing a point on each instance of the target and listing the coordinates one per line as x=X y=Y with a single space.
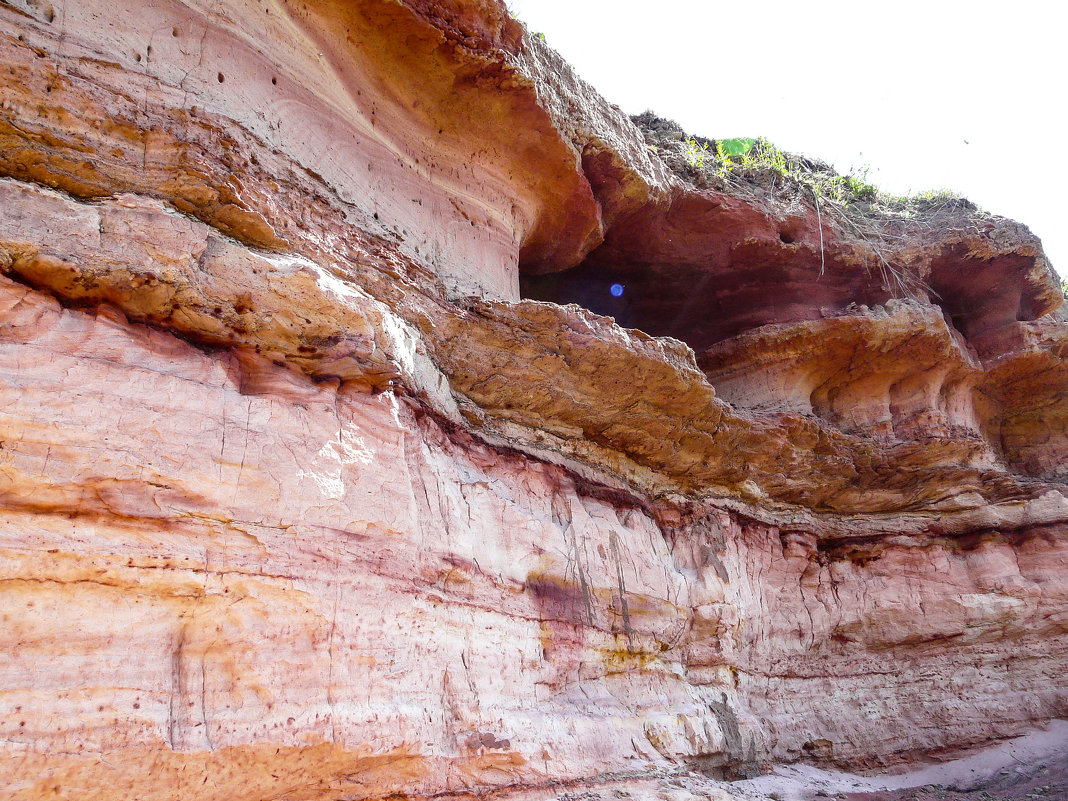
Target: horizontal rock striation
x=326 y=472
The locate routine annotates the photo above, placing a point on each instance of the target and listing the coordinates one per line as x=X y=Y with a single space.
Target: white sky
x=968 y=96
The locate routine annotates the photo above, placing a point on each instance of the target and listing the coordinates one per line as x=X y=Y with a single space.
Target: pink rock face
x=195 y=570
x=844 y=647
x=300 y=500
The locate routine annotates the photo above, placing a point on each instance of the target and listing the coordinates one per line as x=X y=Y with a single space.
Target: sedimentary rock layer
x=300 y=499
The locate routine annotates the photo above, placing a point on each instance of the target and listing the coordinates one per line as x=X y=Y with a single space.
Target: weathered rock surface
x=299 y=498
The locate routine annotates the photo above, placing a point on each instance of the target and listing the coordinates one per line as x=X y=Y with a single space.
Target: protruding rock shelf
x=331 y=468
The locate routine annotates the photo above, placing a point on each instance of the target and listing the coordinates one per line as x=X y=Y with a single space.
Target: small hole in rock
x=786 y=237
x=274 y=81
x=221 y=78
x=174 y=32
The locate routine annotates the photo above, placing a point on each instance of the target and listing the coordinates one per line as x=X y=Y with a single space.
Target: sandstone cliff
x=325 y=471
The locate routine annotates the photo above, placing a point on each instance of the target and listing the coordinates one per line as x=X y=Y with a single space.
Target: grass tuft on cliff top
x=735 y=165
x=757 y=170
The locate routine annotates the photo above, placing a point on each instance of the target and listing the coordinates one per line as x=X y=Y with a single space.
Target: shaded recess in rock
x=389 y=530
x=719 y=255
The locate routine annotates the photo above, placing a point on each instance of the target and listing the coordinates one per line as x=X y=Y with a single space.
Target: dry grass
x=782 y=182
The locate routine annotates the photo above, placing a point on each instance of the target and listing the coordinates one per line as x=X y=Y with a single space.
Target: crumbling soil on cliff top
x=857 y=206
x=693 y=159
x=784 y=184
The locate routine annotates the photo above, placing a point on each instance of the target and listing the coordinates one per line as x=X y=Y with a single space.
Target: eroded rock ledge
x=301 y=499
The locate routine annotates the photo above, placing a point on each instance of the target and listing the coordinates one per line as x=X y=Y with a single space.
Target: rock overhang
x=367 y=446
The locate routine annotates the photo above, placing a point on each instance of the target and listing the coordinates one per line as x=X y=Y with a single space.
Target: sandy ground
x=1029 y=768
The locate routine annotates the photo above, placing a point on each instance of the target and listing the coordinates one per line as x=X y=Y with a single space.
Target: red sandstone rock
x=299 y=499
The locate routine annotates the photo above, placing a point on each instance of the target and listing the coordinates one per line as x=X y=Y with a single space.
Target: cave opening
x=702 y=303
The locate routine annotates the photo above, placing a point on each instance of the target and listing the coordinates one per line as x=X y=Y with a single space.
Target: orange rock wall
x=205 y=561
x=299 y=499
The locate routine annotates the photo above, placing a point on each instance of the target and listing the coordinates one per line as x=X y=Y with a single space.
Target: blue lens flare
x=616 y=290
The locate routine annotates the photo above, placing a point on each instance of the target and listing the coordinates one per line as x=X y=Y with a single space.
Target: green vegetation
x=695 y=153
x=757 y=170
x=744 y=161
x=735 y=147
x=742 y=156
